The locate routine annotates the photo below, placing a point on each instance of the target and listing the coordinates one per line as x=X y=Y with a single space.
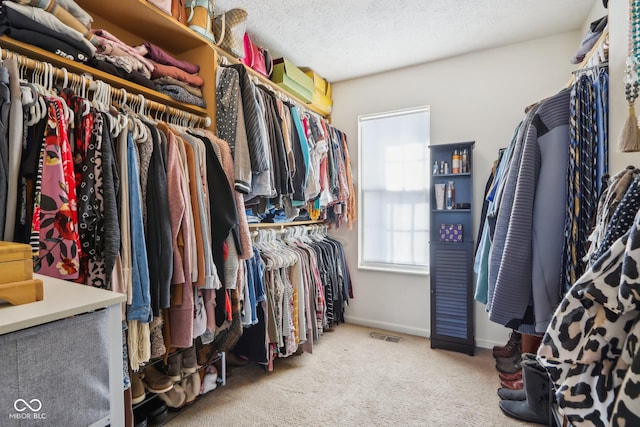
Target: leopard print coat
x=590 y=348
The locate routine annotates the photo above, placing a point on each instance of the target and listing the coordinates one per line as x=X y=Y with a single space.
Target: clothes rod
x=593 y=67
x=61 y=74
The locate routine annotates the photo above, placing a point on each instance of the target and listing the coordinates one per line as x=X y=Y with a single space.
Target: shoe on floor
x=155 y=411
x=511 y=348
x=210 y=380
x=191 y=386
x=513 y=385
x=137 y=388
x=174 y=398
x=508 y=394
x=509 y=365
x=536 y=407
x=510 y=377
x=140 y=419
x=155 y=381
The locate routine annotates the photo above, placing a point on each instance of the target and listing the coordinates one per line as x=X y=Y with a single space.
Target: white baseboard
x=403 y=329
x=393 y=327
x=487 y=343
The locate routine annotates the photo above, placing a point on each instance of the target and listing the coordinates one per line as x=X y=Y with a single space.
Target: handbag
x=257 y=57
x=229 y=29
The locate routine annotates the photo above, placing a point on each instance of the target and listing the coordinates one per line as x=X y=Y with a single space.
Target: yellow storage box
x=16 y=264
x=17 y=285
x=322 y=92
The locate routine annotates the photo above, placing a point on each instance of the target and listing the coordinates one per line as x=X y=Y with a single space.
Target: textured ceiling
x=343 y=39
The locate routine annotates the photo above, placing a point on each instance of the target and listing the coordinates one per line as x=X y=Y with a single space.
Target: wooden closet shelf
x=283 y=224
x=148 y=21
x=34 y=52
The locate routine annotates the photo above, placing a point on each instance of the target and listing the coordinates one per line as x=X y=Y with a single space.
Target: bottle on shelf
x=455 y=162
x=451 y=195
x=444 y=168
x=436 y=168
x=464 y=161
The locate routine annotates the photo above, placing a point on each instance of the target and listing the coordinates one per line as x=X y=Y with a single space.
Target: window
x=394 y=190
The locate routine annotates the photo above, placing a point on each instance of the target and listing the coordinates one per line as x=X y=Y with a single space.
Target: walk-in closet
x=238 y=213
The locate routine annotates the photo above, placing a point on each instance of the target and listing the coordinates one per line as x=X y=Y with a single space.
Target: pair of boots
x=531 y=404
x=508 y=356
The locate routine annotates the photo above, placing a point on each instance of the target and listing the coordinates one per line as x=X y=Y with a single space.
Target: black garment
x=28 y=174
x=133 y=76
x=5 y=107
x=224 y=219
x=17 y=20
x=43 y=41
x=282 y=174
x=251 y=344
x=158 y=233
x=111 y=225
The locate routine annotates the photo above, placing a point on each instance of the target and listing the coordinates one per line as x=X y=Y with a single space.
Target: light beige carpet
x=352 y=379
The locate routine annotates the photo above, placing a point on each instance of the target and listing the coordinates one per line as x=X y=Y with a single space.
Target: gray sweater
x=531 y=230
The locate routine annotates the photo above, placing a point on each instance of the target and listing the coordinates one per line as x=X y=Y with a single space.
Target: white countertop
x=61 y=299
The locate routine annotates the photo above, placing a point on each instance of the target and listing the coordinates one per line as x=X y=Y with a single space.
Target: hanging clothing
x=587 y=166
x=305 y=283
x=589 y=347
x=55 y=239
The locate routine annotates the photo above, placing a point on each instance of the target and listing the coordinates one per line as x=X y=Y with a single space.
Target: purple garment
x=152 y=51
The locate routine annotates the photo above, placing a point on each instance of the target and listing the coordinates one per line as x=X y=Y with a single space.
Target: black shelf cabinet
x=451 y=262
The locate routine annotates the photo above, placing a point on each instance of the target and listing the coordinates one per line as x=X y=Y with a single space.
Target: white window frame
x=391 y=267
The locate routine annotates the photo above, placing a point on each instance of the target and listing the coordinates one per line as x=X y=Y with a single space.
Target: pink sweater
x=180 y=315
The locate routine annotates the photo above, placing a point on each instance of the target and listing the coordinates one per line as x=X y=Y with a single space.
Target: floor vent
x=383 y=337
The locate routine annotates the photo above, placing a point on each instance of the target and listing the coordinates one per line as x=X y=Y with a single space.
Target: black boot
x=536 y=407
x=508 y=394
x=509 y=365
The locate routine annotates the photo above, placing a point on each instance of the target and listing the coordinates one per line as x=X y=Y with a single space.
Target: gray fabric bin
x=56 y=374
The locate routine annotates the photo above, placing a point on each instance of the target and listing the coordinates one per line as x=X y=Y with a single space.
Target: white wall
x=617 y=104
x=478 y=97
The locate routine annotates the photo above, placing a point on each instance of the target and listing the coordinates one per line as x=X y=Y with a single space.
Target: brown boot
x=512 y=385
x=511 y=348
x=137 y=387
x=510 y=377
